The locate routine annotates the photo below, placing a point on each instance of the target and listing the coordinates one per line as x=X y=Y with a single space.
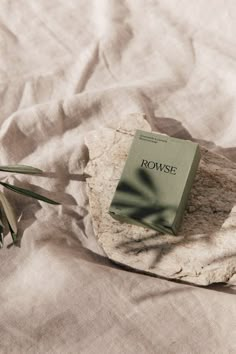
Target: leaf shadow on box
x=210 y=201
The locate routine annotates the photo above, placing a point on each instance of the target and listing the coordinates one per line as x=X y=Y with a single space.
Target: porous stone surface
x=203 y=252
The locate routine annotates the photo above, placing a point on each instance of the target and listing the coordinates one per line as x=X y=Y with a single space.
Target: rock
x=204 y=251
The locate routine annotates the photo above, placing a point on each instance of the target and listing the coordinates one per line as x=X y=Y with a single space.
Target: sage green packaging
x=155 y=182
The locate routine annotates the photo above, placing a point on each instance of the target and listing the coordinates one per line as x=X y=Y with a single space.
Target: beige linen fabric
x=67 y=67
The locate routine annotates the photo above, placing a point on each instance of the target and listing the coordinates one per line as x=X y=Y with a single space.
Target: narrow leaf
x=28 y=193
x=13 y=235
x=8 y=212
x=1 y=240
x=21 y=169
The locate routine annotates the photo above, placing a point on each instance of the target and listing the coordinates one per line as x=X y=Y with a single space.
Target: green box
x=155 y=182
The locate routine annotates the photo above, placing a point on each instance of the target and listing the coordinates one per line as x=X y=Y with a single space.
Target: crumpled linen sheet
x=67 y=67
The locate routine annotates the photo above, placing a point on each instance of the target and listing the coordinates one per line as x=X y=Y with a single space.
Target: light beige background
x=67 y=67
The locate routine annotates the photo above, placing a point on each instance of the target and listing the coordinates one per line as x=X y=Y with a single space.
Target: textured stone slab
x=204 y=251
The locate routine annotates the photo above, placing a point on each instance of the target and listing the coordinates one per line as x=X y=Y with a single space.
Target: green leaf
x=21 y=169
x=28 y=193
x=13 y=235
x=1 y=240
x=8 y=212
x=1 y=225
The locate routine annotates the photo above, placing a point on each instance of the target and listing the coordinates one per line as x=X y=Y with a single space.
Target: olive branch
x=5 y=207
